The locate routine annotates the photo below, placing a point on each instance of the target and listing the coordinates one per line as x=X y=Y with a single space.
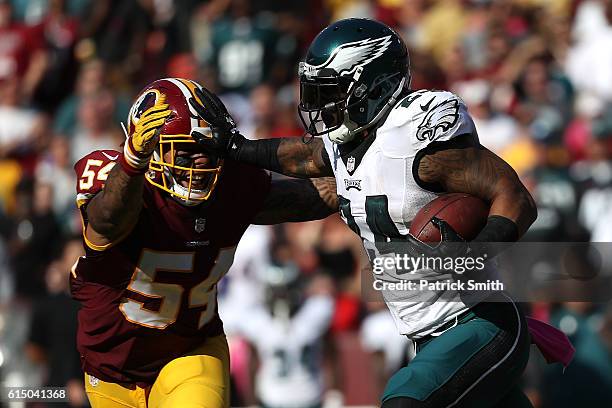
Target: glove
x=452 y=244
x=141 y=143
x=221 y=138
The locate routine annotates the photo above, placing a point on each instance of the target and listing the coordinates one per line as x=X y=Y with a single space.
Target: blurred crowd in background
x=535 y=74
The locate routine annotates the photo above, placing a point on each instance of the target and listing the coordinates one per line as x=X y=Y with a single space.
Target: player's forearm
x=511 y=213
x=114 y=211
x=298 y=201
x=513 y=202
x=289 y=156
x=301 y=159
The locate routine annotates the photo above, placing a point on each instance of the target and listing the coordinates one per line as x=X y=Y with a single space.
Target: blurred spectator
x=544 y=100
x=112 y=22
x=442 y=26
x=578 y=133
x=242 y=287
x=589 y=63
x=58 y=32
x=21 y=129
x=55 y=169
x=21 y=136
x=167 y=44
x=286 y=119
x=21 y=53
x=296 y=319
x=588 y=380
x=341 y=256
x=52 y=339
x=246 y=49
x=379 y=336
x=95 y=129
x=31 y=229
x=593 y=178
x=258 y=119
x=92 y=79
x=496 y=131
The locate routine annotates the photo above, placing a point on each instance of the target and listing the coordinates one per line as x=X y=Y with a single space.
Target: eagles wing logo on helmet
x=347 y=57
x=439 y=120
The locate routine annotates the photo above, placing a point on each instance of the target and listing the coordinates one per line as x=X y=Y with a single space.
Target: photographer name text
x=441 y=285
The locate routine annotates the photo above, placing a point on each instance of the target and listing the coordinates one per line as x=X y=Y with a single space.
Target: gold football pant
x=197 y=380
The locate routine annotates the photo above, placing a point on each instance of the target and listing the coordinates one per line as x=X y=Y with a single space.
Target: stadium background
x=536 y=75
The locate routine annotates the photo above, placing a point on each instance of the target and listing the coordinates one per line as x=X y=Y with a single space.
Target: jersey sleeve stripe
x=83 y=198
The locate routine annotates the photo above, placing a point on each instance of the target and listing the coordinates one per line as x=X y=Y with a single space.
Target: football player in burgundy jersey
x=161 y=221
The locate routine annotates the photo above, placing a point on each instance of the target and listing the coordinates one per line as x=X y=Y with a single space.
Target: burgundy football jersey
x=151 y=297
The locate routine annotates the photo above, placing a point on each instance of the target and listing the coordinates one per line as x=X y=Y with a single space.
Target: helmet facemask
x=342 y=106
x=180 y=175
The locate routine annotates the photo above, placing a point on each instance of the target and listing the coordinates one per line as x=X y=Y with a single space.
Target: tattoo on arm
x=299 y=159
x=295 y=200
x=478 y=171
x=113 y=212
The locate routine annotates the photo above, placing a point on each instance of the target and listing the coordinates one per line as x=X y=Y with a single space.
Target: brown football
x=465 y=213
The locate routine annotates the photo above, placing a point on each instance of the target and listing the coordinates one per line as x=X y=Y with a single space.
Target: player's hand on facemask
x=221 y=137
x=143 y=139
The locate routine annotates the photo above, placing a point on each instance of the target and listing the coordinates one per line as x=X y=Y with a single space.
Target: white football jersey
x=379 y=196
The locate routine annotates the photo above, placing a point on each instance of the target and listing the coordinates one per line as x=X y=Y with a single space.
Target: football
x=465 y=213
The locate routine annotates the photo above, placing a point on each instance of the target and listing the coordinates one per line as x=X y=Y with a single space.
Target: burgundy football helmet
x=174 y=136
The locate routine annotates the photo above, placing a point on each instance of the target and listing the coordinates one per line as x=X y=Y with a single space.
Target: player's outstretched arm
x=294 y=200
x=464 y=166
x=290 y=156
x=113 y=212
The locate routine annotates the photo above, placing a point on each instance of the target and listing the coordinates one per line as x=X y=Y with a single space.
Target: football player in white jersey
x=392 y=150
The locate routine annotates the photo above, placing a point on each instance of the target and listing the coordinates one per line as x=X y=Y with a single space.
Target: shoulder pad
x=418 y=104
x=424 y=117
x=92 y=172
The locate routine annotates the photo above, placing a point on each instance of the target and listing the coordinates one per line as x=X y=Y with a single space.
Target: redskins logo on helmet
x=179 y=176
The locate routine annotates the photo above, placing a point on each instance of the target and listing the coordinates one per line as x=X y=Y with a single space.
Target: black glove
x=452 y=244
x=223 y=139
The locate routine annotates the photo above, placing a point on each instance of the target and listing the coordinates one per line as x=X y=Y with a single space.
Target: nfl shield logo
x=350 y=164
x=200 y=223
